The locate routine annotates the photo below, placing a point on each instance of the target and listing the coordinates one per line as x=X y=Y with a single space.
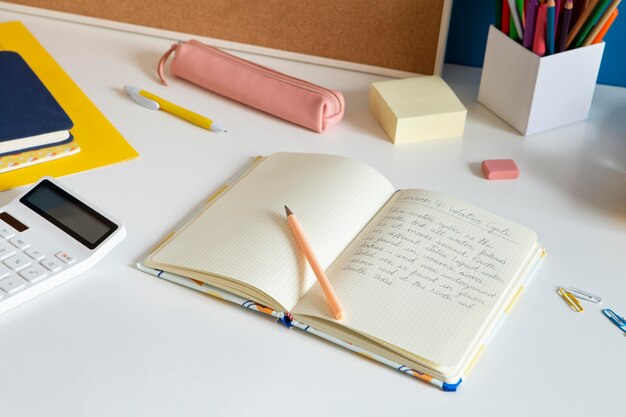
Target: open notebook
x=423 y=278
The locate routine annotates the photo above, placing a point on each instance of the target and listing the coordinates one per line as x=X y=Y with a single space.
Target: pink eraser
x=500 y=169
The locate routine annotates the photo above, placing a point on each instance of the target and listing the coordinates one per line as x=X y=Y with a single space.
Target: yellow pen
x=152 y=102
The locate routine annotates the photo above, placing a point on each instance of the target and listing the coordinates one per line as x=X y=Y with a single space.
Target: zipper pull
x=163 y=60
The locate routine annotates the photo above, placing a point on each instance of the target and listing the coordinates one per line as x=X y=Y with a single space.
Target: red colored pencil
x=506 y=17
x=539 y=42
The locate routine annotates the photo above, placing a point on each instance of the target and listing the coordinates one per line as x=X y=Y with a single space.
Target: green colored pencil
x=498 y=14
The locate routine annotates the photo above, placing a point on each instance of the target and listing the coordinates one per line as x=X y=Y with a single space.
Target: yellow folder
x=101 y=144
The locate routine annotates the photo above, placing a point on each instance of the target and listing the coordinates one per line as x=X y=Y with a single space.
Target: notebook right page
x=425 y=277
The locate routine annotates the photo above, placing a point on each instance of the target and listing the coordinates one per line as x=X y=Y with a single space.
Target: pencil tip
x=289 y=212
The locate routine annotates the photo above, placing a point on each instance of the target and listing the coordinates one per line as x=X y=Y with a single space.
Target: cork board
x=396 y=34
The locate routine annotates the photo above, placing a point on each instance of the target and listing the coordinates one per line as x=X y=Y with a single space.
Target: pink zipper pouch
x=292 y=99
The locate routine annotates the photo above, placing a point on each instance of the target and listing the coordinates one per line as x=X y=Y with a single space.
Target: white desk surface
x=118 y=342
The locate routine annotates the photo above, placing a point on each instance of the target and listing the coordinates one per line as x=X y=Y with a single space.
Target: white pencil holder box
x=533 y=93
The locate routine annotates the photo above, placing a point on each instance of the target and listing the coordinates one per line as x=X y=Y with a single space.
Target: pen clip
x=617 y=320
x=584 y=295
x=133 y=92
x=571 y=300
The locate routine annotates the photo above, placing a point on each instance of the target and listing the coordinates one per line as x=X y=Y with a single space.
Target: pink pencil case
x=298 y=101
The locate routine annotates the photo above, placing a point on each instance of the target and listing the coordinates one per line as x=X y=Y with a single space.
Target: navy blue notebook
x=30 y=117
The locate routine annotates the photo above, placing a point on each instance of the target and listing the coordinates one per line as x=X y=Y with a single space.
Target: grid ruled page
x=426 y=275
x=244 y=235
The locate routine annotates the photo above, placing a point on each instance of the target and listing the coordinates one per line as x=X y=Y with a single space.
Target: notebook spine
x=450 y=387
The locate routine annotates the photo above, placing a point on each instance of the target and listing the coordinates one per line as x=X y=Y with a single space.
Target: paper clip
x=571 y=300
x=584 y=295
x=617 y=320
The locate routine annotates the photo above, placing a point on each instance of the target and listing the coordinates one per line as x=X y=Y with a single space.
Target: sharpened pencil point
x=289 y=212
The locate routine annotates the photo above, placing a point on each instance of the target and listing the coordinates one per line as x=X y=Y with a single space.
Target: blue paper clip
x=617 y=320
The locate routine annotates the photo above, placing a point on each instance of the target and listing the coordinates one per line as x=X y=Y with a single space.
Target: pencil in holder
x=533 y=93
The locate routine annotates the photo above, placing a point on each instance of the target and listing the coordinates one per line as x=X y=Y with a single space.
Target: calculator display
x=69 y=214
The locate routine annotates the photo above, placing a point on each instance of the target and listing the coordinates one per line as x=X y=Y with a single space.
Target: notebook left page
x=242 y=243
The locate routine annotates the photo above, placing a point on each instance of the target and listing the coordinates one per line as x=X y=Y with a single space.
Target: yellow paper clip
x=571 y=300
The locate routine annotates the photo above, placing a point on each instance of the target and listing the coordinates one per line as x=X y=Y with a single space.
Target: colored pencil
x=582 y=18
x=531 y=20
x=512 y=31
x=520 y=11
x=576 y=10
x=498 y=23
x=516 y=30
x=298 y=232
x=550 y=24
x=506 y=17
x=606 y=27
x=592 y=21
x=565 y=22
x=539 y=42
x=600 y=23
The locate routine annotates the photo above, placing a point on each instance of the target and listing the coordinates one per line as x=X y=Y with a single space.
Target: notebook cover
x=26 y=106
x=286 y=320
x=25 y=159
x=101 y=144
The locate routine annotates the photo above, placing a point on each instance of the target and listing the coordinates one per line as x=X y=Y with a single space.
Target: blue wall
x=470 y=22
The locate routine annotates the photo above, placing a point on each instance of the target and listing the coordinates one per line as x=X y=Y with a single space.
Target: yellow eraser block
x=415 y=109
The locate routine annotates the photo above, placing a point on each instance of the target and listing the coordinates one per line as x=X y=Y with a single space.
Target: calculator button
x=36 y=254
x=17 y=262
x=20 y=243
x=66 y=257
x=12 y=284
x=6 y=233
x=4 y=271
x=51 y=265
x=34 y=273
x=6 y=250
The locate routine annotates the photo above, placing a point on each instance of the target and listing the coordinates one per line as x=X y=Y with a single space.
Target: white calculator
x=47 y=236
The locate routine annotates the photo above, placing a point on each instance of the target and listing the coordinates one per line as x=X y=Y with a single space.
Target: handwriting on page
x=435 y=247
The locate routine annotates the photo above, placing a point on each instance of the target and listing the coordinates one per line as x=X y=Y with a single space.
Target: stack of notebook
x=100 y=143
x=34 y=128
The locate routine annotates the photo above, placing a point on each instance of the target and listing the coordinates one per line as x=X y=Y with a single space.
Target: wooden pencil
x=582 y=18
x=606 y=27
x=591 y=22
x=498 y=8
x=565 y=22
x=298 y=232
x=550 y=26
x=598 y=27
x=539 y=41
x=506 y=17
